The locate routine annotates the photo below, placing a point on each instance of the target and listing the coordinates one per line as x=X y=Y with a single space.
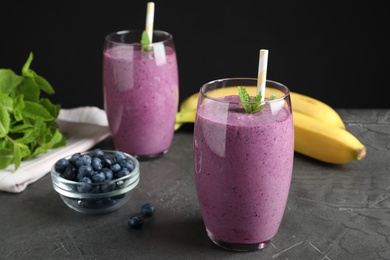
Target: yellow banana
x=313 y=138
x=323 y=142
x=300 y=103
x=316 y=109
x=183 y=117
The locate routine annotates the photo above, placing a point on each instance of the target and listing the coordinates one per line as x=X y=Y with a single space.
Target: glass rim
x=204 y=94
x=109 y=37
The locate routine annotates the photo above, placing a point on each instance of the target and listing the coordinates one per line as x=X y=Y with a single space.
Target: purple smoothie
x=243 y=168
x=141 y=98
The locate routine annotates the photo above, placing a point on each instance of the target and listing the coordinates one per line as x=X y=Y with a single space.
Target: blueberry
x=106 y=202
x=122 y=172
x=84 y=159
x=119 y=156
x=74 y=157
x=135 y=222
x=107 y=187
x=127 y=163
x=97 y=152
x=106 y=162
x=115 y=167
x=147 y=210
x=95 y=189
x=69 y=173
x=85 y=185
x=108 y=173
x=98 y=177
x=86 y=170
x=61 y=165
x=97 y=163
x=96 y=203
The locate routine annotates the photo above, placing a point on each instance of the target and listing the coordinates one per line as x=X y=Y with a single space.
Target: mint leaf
x=7 y=102
x=53 y=109
x=145 y=41
x=255 y=102
x=5 y=121
x=56 y=137
x=18 y=107
x=36 y=111
x=245 y=98
x=17 y=156
x=26 y=67
x=27 y=121
x=29 y=89
x=6 y=156
x=8 y=81
x=43 y=84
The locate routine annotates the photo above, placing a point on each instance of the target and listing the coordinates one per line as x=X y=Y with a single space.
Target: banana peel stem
x=361 y=153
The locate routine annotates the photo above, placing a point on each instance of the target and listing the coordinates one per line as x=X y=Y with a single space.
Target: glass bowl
x=95 y=196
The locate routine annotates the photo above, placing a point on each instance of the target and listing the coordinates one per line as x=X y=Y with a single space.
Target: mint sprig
x=145 y=41
x=27 y=121
x=255 y=102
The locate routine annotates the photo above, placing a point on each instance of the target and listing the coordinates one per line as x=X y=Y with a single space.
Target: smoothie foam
x=243 y=167
x=141 y=98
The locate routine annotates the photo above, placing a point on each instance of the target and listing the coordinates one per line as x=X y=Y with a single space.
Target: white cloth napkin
x=85 y=127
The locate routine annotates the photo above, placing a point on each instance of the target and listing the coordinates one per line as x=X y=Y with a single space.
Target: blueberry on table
x=147 y=210
x=135 y=222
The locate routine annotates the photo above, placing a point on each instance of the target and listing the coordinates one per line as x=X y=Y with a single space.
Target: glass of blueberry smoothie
x=243 y=158
x=141 y=91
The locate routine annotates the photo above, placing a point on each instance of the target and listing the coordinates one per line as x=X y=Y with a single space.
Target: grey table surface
x=333 y=211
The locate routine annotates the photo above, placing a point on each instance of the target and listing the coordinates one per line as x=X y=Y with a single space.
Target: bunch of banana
x=319 y=131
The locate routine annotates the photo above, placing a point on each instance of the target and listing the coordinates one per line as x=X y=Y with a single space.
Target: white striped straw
x=262 y=74
x=149 y=20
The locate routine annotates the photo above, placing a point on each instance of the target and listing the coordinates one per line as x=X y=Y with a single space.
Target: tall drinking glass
x=141 y=91
x=243 y=162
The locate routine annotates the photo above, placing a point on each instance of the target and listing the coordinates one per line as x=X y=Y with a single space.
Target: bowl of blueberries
x=96 y=181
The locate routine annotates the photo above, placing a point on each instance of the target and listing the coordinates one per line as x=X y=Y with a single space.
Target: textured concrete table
x=333 y=212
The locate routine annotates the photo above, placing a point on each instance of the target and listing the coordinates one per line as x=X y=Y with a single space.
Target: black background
x=337 y=53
